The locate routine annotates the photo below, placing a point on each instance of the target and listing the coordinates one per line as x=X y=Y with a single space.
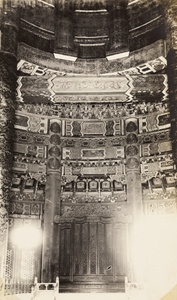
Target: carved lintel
x=115 y=211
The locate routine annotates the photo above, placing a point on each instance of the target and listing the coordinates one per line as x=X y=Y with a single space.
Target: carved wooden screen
x=92 y=249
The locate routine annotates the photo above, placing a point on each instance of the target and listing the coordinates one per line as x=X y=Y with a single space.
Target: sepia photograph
x=88 y=149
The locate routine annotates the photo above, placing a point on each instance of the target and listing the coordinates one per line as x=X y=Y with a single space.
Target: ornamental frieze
x=160 y=164
x=86 y=128
x=30 y=122
x=94 y=111
x=21 y=208
x=158 y=208
x=158 y=193
x=120 y=88
x=94 y=199
x=92 y=154
x=152 y=66
x=27 y=195
x=29 y=166
x=154 y=121
x=30 y=150
x=149 y=149
x=155 y=136
x=93 y=142
x=30 y=138
x=96 y=209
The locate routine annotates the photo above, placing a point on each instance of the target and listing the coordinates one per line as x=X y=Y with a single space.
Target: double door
x=93 y=249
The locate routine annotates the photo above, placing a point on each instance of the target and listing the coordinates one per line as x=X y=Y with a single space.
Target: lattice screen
x=8 y=273
x=27 y=265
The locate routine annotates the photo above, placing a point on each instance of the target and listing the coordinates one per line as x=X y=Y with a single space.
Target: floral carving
x=131 y=126
x=54 y=163
x=54 y=151
x=55 y=127
x=132 y=138
x=132 y=150
x=97 y=209
x=132 y=163
x=55 y=139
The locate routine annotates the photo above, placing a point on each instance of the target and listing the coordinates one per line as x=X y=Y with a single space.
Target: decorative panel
x=154 y=121
x=84 y=250
x=77 y=249
x=8 y=272
x=93 y=128
x=120 y=88
x=27 y=265
x=156 y=148
x=30 y=122
x=95 y=247
x=65 y=249
x=109 y=249
x=62 y=252
x=101 y=248
x=30 y=150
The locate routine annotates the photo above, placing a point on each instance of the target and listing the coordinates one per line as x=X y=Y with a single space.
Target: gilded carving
x=154 y=65
x=131 y=126
x=96 y=209
x=54 y=163
x=117 y=84
x=93 y=128
x=93 y=153
x=132 y=150
x=121 y=196
x=132 y=163
x=55 y=127
x=30 y=122
x=131 y=138
x=154 y=208
x=55 y=139
x=54 y=151
x=98 y=111
x=29 y=138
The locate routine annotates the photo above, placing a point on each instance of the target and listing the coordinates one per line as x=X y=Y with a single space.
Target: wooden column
x=134 y=199
x=8 y=67
x=50 y=257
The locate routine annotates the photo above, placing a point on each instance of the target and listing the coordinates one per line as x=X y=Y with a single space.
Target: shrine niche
x=88 y=137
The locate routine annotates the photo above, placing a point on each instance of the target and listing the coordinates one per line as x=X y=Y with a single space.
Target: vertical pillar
x=118 y=25
x=50 y=257
x=64 y=29
x=134 y=198
x=8 y=67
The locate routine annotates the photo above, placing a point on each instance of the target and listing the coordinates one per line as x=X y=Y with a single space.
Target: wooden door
x=93 y=250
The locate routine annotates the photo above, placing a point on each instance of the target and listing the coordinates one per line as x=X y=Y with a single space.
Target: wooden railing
x=42 y=288
x=12 y=287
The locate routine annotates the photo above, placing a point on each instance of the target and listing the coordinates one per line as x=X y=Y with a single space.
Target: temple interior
x=88 y=148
